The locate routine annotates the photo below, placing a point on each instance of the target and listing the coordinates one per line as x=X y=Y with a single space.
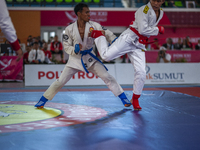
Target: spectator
x=39 y=41
x=29 y=41
x=197 y=47
x=169 y=45
x=25 y=57
x=178 y=45
x=57 y=48
x=47 y=53
x=163 y=57
x=155 y=45
x=188 y=41
x=197 y=3
x=185 y=46
x=36 y=56
x=171 y=4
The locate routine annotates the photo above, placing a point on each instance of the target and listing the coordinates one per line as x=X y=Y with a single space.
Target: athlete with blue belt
x=78 y=44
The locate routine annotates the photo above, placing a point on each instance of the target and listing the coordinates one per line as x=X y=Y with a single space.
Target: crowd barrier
x=156 y=73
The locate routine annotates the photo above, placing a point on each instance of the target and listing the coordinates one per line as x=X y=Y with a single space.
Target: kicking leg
x=118 y=48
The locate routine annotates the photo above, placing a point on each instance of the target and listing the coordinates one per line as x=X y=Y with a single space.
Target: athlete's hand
x=97 y=33
x=19 y=54
x=161 y=29
x=78 y=47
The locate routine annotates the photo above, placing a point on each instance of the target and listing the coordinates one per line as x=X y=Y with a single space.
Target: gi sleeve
x=68 y=42
x=142 y=17
x=7 y=27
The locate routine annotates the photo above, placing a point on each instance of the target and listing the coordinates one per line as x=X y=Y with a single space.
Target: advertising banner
x=10 y=69
x=176 y=56
x=44 y=75
x=156 y=73
x=105 y=18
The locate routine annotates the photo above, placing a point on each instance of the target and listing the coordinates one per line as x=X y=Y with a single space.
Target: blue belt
x=85 y=52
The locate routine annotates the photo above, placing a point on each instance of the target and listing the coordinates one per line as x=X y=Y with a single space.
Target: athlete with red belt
x=132 y=41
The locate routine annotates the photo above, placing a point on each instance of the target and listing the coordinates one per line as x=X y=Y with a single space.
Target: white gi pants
x=97 y=68
x=124 y=44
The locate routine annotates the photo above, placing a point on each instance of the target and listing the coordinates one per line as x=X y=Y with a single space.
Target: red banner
x=10 y=69
x=105 y=18
x=176 y=56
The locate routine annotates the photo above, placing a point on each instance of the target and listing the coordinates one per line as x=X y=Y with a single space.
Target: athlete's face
x=156 y=4
x=84 y=14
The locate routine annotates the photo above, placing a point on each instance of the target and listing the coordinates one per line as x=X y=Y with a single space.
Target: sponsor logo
x=16 y=116
x=5 y=63
x=164 y=77
x=55 y=75
x=97 y=16
x=71 y=16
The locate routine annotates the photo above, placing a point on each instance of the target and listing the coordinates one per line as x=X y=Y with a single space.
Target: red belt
x=142 y=39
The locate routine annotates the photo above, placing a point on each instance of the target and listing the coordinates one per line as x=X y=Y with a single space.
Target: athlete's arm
x=8 y=29
x=68 y=42
x=141 y=17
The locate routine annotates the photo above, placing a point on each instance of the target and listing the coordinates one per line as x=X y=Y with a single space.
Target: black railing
x=100 y=3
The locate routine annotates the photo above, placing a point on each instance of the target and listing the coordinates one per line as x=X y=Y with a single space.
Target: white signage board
x=45 y=75
x=161 y=73
x=156 y=73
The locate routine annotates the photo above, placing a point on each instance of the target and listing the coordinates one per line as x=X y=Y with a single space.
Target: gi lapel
x=77 y=33
x=87 y=26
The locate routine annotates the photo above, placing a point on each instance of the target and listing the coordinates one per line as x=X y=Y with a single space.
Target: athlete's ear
x=78 y=13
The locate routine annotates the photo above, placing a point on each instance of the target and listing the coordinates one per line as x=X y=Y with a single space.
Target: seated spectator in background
x=47 y=53
x=185 y=46
x=57 y=48
x=169 y=45
x=155 y=45
x=178 y=45
x=29 y=41
x=188 y=41
x=171 y=4
x=163 y=57
x=197 y=47
x=39 y=41
x=25 y=57
x=36 y=56
x=197 y=3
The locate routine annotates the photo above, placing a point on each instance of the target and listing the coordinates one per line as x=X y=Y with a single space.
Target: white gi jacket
x=6 y=25
x=40 y=55
x=145 y=23
x=71 y=37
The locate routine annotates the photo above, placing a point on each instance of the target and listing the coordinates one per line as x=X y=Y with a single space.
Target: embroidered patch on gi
x=65 y=37
x=146 y=9
x=85 y=65
x=91 y=29
x=103 y=28
x=90 y=59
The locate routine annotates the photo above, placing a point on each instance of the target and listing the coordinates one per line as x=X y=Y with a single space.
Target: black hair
x=79 y=7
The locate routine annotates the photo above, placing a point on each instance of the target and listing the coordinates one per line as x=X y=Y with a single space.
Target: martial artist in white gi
x=8 y=29
x=78 y=44
x=132 y=41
